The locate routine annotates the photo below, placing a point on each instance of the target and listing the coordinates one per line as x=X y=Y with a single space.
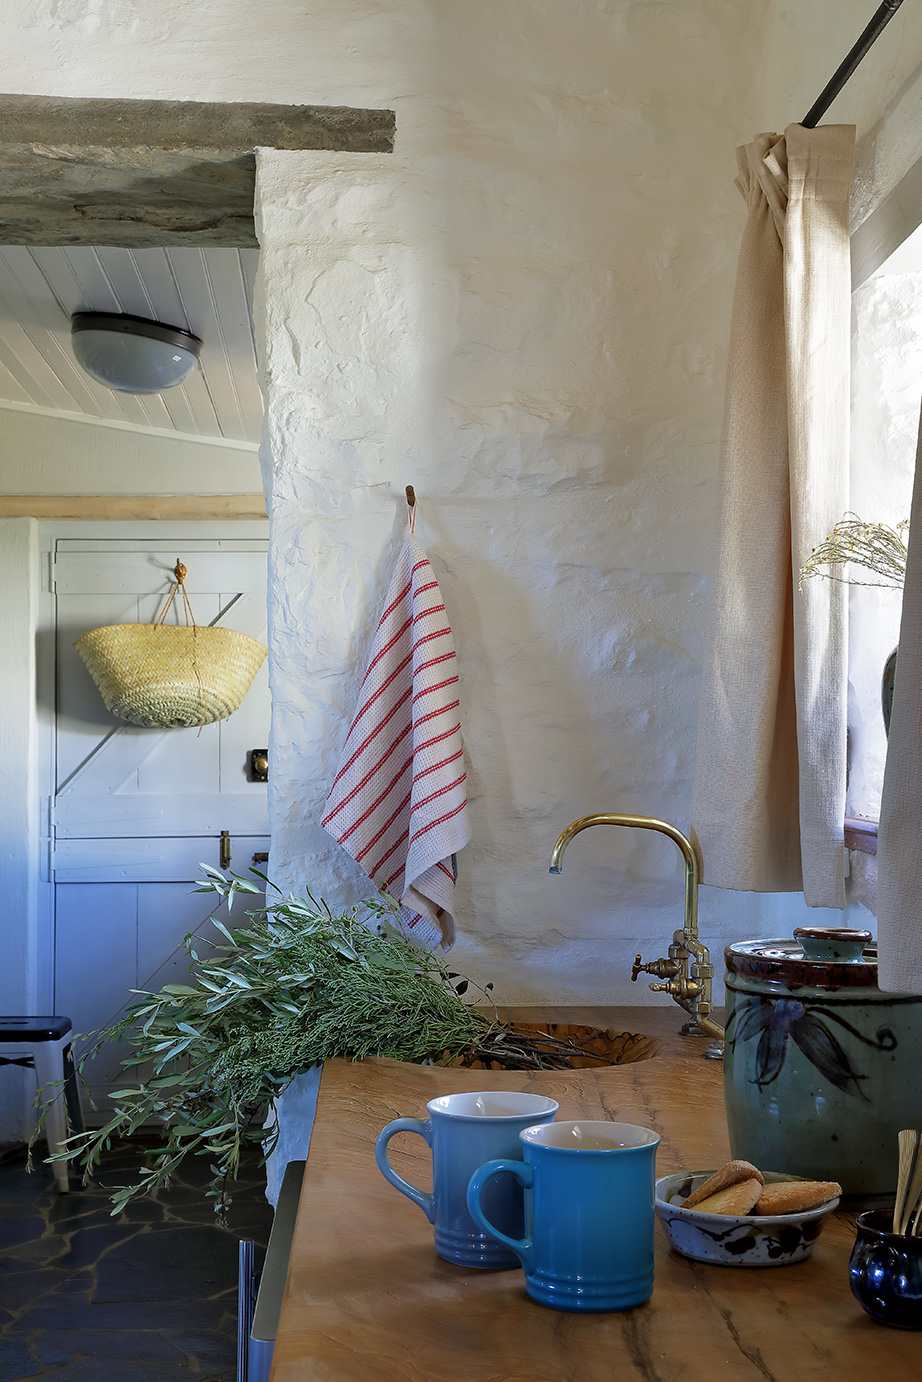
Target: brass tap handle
x=666 y=969
x=679 y=989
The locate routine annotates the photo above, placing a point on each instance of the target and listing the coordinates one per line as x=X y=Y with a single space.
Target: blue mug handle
x=424 y=1128
x=523 y=1248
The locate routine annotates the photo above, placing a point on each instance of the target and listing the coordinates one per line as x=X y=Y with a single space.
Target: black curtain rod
x=873 y=32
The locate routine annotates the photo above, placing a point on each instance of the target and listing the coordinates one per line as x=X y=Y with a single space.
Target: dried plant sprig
x=874 y=546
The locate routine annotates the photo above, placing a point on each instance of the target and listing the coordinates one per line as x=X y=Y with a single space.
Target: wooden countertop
x=368 y=1299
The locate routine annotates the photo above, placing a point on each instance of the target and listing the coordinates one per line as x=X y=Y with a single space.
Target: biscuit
x=730 y=1174
x=734 y=1199
x=790 y=1196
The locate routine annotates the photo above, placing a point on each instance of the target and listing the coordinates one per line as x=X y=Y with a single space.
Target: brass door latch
x=258 y=765
x=224 y=857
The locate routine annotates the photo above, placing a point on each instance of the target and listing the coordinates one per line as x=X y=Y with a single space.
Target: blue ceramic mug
x=464 y=1131
x=589 y=1213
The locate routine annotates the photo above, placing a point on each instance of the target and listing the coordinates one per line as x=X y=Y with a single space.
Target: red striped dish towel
x=398 y=803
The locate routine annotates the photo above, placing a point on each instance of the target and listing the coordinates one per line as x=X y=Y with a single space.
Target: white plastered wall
x=561 y=216
x=19 y=806
x=523 y=312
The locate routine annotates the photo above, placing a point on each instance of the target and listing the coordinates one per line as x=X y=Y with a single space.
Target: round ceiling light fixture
x=132 y=354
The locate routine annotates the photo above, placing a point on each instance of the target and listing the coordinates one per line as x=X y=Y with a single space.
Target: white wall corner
x=19 y=803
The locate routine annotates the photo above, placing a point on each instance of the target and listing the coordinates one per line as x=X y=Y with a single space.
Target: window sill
x=861 y=834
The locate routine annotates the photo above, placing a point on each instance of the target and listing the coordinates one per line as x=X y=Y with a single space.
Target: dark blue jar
x=885 y=1271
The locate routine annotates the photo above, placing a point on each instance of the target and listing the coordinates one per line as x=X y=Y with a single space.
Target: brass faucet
x=688 y=970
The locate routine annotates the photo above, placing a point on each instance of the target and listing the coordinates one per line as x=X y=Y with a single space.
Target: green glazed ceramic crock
x=821 y=1069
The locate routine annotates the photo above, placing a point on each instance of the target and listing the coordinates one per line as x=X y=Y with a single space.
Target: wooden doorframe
x=42 y=941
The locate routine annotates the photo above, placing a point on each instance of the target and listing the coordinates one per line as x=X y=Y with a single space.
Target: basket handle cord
x=180 y=572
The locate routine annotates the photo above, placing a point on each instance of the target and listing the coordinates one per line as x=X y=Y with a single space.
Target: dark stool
x=42 y=1043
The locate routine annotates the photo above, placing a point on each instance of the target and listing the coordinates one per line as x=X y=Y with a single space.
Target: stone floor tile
x=142 y=1211
x=17 y=1229
x=29 y=1287
x=40 y=1252
x=128 y=1345
x=96 y=1369
x=77 y=1211
x=198 y=1210
x=208 y=1349
x=89 y=1246
x=173 y=1314
x=168 y=1263
x=17 y=1361
x=150 y=1293
x=24 y=1189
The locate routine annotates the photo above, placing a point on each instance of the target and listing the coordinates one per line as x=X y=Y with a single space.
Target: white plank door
x=136 y=810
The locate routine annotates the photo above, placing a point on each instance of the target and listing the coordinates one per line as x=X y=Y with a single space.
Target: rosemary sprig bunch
x=873 y=546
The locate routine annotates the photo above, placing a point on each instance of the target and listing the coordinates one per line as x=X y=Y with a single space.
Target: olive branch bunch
x=293 y=986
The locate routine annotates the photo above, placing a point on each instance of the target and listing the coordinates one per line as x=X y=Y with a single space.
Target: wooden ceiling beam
x=138 y=174
x=132 y=506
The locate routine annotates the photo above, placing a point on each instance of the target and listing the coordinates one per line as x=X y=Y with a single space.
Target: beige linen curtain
x=769 y=795
x=899 y=852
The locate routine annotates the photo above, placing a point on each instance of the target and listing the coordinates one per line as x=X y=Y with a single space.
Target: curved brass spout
x=688 y=984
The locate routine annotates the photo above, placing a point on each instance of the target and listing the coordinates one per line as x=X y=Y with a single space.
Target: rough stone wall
x=524 y=313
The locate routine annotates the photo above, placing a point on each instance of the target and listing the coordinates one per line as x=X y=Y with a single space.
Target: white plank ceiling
x=206 y=291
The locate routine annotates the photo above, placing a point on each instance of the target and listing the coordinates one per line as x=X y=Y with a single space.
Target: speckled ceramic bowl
x=746 y=1240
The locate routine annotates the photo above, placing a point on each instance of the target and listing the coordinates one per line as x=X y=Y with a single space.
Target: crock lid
x=825 y=957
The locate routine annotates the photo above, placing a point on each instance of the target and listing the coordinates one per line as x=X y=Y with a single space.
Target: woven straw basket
x=170 y=676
